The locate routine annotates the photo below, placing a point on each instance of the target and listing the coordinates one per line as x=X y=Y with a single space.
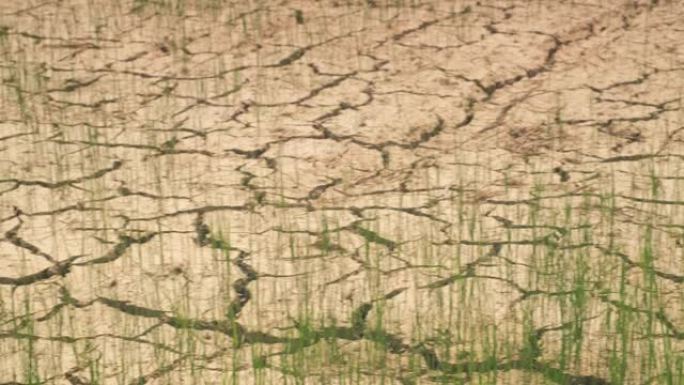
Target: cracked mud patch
x=334 y=192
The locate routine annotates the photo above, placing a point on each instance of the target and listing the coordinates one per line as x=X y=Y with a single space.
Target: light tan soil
x=186 y=187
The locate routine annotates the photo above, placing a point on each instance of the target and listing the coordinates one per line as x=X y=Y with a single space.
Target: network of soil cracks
x=341 y=192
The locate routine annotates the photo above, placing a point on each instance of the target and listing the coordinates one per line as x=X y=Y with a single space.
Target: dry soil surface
x=341 y=192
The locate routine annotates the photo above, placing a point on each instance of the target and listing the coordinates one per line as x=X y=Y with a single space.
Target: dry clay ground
x=338 y=192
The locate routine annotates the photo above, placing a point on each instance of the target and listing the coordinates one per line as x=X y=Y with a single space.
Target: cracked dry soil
x=341 y=192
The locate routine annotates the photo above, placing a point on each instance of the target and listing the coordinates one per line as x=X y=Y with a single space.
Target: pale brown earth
x=331 y=192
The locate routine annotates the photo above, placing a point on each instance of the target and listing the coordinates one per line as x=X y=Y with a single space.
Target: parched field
x=342 y=192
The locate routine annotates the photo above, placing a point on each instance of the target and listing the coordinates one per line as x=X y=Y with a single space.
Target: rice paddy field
x=342 y=192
